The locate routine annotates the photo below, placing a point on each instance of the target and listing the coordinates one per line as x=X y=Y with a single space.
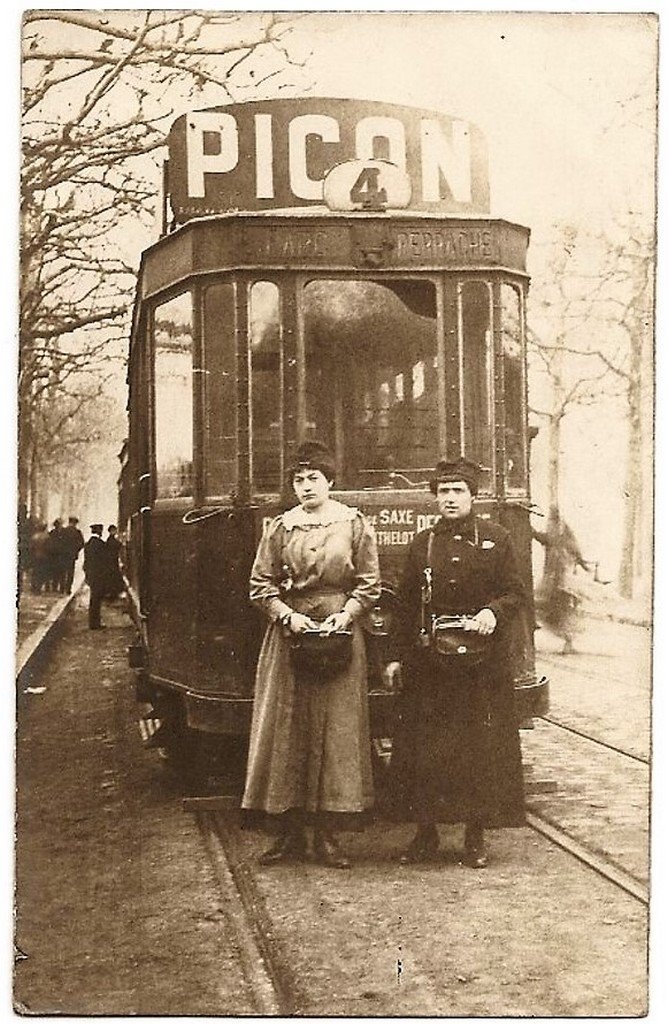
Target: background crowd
x=47 y=557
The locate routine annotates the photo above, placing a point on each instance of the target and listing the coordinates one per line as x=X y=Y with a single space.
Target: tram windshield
x=370 y=380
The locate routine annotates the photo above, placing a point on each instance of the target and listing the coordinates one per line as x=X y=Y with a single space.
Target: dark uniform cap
x=313 y=455
x=459 y=469
x=96 y=527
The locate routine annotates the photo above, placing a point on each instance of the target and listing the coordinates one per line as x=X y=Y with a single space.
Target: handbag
x=452 y=644
x=319 y=656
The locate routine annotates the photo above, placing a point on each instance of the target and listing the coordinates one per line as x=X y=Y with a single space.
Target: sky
x=546 y=90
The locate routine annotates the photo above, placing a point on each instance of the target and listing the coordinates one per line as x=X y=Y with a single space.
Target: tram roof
x=314 y=212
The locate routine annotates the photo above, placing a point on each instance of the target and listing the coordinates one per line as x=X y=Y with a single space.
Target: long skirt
x=456 y=754
x=309 y=744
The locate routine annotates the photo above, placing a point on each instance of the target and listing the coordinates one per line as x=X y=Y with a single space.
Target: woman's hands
x=335 y=622
x=298 y=623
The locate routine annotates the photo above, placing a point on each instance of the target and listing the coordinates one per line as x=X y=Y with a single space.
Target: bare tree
x=99 y=92
x=591 y=338
x=625 y=300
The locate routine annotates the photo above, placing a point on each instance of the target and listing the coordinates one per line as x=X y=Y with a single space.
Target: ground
x=118 y=910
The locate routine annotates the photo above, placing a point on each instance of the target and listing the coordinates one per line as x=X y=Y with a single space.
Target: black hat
x=96 y=528
x=313 y=455
x=458 y=469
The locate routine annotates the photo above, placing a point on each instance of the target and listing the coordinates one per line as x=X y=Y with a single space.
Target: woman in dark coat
x=456 y=753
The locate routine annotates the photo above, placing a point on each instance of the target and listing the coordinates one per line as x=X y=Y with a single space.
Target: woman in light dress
x=310 y=757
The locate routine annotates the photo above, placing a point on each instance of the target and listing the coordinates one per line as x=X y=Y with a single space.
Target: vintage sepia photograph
x=335 y=424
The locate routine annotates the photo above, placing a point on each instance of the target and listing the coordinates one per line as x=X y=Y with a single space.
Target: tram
x=327 y=268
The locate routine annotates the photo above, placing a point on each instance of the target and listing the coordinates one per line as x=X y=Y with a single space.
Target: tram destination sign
x=347 y=154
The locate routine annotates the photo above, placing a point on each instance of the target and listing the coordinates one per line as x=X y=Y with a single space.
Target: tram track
x=593 y=739
x=264 y=963
x=561 y=662
x=598 y=862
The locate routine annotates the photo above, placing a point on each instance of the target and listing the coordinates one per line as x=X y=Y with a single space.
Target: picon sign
x=343 y=154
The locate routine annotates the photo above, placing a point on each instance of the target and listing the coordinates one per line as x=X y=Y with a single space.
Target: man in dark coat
x=57 y=557
x=456 y=753
x=73 y=542
x=39 y=555
x=96 y=569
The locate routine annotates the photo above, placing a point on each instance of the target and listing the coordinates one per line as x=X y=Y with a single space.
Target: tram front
x=380 y=309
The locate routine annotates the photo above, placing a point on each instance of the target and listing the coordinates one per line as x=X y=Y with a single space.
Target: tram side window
x=173 y=377
x=513 y=387
x=266 y=382
x=220 y=393
x=476 y=359
x=371 y=378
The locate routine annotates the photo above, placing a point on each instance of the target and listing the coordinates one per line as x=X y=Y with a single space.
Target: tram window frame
x=258 y=487
x=166 y=500
x=520 y=290
x=208 y=391
x=435 y=281
x=488 y=475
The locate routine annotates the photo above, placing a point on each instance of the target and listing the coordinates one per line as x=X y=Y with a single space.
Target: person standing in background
x=73 y=542
x=96 y=569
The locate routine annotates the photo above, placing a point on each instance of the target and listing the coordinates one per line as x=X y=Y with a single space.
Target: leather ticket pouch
x=452 y=645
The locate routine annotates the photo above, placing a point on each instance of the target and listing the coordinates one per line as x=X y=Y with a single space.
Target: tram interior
x=367 y=382
x=371 y=377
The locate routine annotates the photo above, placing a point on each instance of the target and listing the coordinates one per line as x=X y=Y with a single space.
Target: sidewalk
x=32 y=611
x=39 y=620
x=117 y=912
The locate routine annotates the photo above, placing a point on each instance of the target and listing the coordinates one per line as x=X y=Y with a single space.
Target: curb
x=35 y=646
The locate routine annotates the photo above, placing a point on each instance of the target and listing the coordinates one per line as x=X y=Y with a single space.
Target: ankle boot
x=327 y=851
x=475 y=854
x=289 y=846
x=422 y=847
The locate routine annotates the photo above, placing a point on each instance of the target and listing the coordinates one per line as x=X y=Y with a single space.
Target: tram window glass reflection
x=173 y=376
x=513 y=386
x=371 y=378
x=266 y=376
x=220 y=398
x=476 y=362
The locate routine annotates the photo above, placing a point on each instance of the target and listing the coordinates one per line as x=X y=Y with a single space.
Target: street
x=119 y=911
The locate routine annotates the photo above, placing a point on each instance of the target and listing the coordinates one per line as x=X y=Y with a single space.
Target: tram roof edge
x=324 y=211
x=312 y=213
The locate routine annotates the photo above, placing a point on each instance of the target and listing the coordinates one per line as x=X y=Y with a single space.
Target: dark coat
x=73 y=541
x=96 y=562
x=456 y=752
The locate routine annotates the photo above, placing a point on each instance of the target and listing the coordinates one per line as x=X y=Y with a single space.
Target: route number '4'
x=365 y=191
x=367 y=185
